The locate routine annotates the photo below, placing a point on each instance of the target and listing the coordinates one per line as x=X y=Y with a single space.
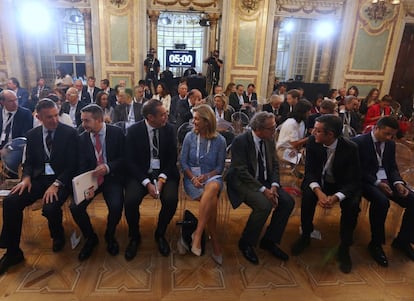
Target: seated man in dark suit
x=128 y=112
x=21 y=93
x=273 y=106
x=51 y=161
x=15 y=121
x=37 y=92
x=326 y=107
x=253 y=178
x=152 y=162
x=350 y=118
x=73 y=106
x=382 y=182
x=251 y=95
x=332 y=174
x=180 y=98
x=292 y=98
x=184 y=106
x=101 y=150
x=89 y=91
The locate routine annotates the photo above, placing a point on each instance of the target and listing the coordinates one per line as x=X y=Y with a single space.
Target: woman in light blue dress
x=202 y=160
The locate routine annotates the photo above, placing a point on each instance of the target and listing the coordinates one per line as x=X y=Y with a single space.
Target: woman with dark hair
x=317 y=104
x=352 y=90
x=371 y=99
x=102 y=101
x=376 y=111
x=164 y=96
x=292 y=136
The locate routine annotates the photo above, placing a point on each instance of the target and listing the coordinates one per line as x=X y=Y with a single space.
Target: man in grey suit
x=253 y=178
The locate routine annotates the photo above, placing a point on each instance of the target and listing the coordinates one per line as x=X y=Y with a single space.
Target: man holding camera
x=213 y=71
x=151 y=68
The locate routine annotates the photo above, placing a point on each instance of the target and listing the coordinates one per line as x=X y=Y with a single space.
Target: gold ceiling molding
x=186 y=3
x=309 y=7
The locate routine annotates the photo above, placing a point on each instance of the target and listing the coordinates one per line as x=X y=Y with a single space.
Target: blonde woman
x=202 y=161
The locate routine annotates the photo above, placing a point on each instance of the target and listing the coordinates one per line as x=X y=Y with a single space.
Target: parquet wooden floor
x=311 y=276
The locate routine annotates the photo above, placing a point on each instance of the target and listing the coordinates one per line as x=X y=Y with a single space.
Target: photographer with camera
x=151 y=68
x=213 y=70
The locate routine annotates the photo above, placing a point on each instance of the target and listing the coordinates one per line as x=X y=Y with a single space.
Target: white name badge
x=196 y=171
x=155 y=164
x=3 y=137
x=49 y=170
x=381 y=175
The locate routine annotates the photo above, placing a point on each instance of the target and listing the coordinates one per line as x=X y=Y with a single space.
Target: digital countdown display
x=181 y=58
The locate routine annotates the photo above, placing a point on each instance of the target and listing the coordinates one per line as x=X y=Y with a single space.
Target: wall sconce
x=378 y=9
x=118 y=2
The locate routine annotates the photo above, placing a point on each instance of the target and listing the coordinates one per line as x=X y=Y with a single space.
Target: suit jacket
x=86 y=96
x=369 y=161
x=345 y=166
x=114 y=147
x=355 y=120
x=121 y=112
x=22 y=122
x=64 y=155
x=183 y=112
x=172 y=116
x=284 y=111
x=22 y=96
x=241 y=176
x=234 y=101
x=138 y=154
x=33 y=95
x=66 y=109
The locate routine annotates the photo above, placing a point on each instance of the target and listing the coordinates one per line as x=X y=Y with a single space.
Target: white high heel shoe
x=196 y=251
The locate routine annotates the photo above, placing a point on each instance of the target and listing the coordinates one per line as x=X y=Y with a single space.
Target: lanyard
x=46 y=149
x=198 y=148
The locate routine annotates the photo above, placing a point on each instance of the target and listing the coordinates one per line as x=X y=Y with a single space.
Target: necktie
x=7 y=130
x=49 y=141
x=260 y=161
x=155 y=147
x=378 y=149
x=99 y=153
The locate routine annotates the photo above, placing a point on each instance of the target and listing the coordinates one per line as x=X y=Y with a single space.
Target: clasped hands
x=199 y=181
x=326 y=201
x=272 y=195
x=401 y=189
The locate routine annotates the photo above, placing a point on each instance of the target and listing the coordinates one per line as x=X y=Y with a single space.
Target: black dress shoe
x=9 y=260
x=345 y=263
x=112 y=246
x=300 y=245
x=87 y=249
x=131 y=249
x=248 y=252
x=163 y=245
x=58 y=244
x=403 y=247
x=274 y=249
x=377 y=253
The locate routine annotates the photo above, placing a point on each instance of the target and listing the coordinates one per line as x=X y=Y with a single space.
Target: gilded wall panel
x=370 y=50
x=246 y=42
x=119 y=38
x=245 y=46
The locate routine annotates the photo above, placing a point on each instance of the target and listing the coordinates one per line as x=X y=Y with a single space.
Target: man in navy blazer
x=381 y=181
x=332 y=174
x=15 y=121
x=51 y=161
x=101 y=150
x=21 y=93
x=152 y=162
x=253 y=178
